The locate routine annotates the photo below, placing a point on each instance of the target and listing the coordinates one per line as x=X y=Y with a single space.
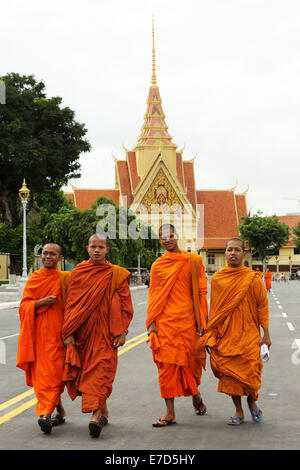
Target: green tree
x=72 y=228
x=264 y=235
x=39 y=140
x=296 y=231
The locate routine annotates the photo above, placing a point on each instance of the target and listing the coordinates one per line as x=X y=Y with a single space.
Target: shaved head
x=53 y=245
x=99 y=236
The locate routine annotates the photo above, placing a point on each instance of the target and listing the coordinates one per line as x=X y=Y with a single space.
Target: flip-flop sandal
x=235 y=423
x=45 y=425
x=166 y=421
x=103 y=420
x=197 y=409
x=255 y=413
x=95 y=428
x=57 y=420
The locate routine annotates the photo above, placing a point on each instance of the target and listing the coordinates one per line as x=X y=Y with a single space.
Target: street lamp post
x=24 y=195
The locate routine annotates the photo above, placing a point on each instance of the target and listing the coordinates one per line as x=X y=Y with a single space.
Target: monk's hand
x=152 y=329
x=69 y=340
x=46 y=301
x=119 y=340
x=266 y=338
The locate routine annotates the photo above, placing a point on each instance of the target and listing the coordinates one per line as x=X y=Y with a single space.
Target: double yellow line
x=133 y=342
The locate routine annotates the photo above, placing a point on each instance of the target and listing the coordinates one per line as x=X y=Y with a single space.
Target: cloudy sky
x=228 y=73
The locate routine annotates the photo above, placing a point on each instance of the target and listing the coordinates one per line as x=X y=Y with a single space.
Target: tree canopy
x=72 y=228
x=40 y=140
x=296 y=231
x=263 y=235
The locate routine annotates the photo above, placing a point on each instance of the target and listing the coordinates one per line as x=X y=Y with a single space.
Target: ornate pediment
x=161 y=196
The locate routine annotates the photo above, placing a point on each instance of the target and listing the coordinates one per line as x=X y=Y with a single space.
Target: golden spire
x=153 y=81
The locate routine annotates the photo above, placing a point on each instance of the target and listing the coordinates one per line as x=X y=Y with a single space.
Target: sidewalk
x=10 y=299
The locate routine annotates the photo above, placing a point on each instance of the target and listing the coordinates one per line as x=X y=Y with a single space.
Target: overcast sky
x=228 y=73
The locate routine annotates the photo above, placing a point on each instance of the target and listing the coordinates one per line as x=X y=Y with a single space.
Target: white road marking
x=290 y=326
x=284 y=314
x=142 y=303
x=10 y=336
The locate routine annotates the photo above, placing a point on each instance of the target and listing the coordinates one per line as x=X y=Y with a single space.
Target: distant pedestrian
x=268 y=280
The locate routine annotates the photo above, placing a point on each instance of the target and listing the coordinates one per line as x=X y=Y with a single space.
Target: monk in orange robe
x=259 y=272
x=268 y=280
x=177 y=314
x=41 y=353
x=238 y=309
x=97 y=316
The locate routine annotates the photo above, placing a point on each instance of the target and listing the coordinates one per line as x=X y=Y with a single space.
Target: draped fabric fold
x=239 y=306
x=177 y=303
x=40 y=349
x=98 y=309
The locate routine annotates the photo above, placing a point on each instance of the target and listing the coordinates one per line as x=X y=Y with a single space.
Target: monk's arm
x=202 y=289
x=126 y=307
x=263 y=311
x=46 y=301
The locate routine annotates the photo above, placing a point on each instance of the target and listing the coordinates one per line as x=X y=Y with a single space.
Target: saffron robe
x=98 y=309
x=238 y=307
x=41 y=353
x=268 y=279
x=178 y=305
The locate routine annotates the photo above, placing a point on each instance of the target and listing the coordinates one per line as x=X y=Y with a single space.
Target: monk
x=41 y=353
x=238 y=309
x=97 y=316
x=259 y=272
x=177 y=314
x=268 y=280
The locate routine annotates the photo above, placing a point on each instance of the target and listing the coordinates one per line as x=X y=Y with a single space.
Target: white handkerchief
x=264 y=353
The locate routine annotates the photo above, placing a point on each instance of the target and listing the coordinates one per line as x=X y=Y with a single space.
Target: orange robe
x=268 y=279
x=178 y=305
x=98 y=309
x=239 y=306
x=41 y=353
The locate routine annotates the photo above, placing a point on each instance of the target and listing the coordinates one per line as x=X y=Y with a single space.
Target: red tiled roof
x=125 y=186
x=241 y=206
x=179 y=168
x=70 y=197
x=189 y=180
x=291 y=221
x=220 y=217
x=84 y=198
x=135 y=179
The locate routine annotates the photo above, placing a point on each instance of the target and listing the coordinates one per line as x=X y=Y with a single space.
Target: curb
x=8 y=305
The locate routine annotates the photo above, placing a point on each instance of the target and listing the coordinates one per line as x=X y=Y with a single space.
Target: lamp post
x=24 y=195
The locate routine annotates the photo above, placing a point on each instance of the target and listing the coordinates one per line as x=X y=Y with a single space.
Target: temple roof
x=154 y=130
x=222 y=214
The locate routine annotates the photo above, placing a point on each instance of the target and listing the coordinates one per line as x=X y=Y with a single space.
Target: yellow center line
x=14 y=400
x=32 y=402
x=18 y=410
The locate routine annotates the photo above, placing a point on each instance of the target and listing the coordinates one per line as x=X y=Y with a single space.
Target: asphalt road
x=135 y=401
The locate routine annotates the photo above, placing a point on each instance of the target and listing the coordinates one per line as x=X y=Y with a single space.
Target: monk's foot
x=60 y=409
x=199 y=406
x=105 y=412
x=45 y=423
x=95 y=425
x=166 y=420
x=237 y=419
x=256 y=412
